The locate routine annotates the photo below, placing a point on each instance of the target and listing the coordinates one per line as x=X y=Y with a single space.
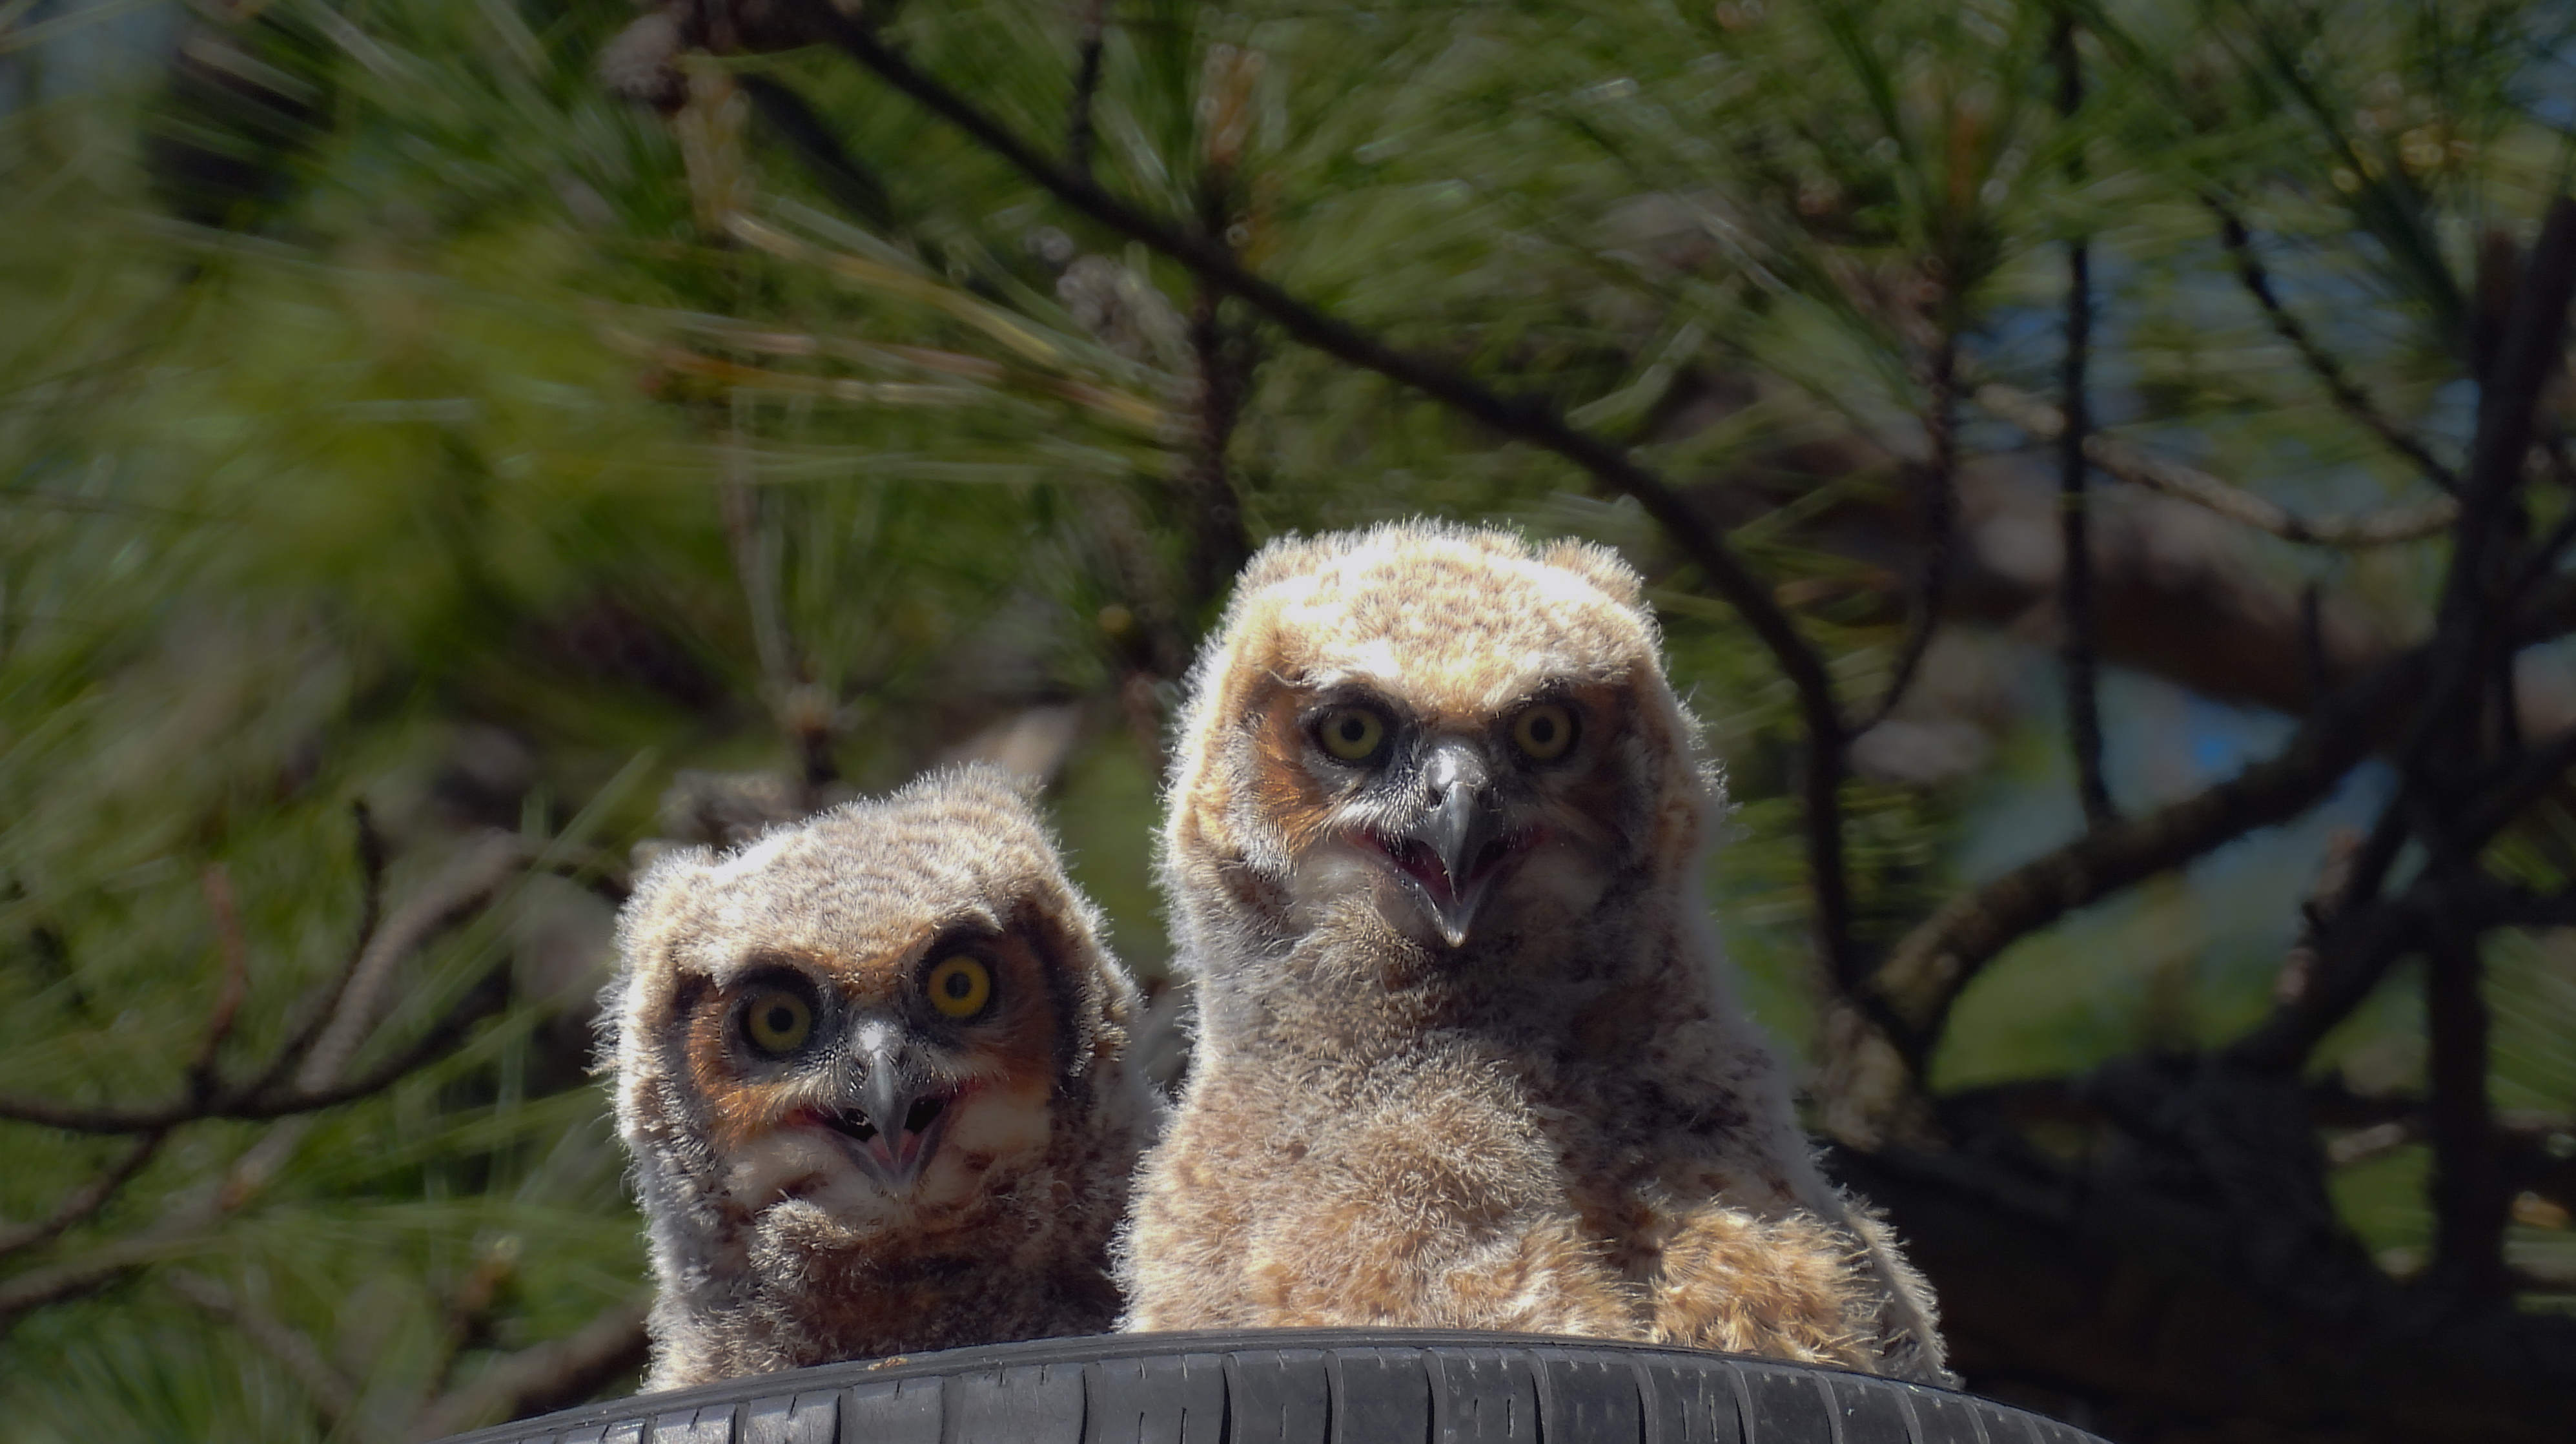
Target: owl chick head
x=1458 y=734
x=856 y=1024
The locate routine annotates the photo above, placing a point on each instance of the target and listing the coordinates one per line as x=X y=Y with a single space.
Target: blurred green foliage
x=387 y=420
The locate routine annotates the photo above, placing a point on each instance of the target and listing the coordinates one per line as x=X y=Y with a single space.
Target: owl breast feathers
x=1468 y=1053
x=870 y=1068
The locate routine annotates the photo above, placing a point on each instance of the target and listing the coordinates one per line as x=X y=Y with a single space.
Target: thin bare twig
x=2346 y=392
x=1939 y=510
x=2155 y=473
x=371 y=914
x=1522 y=418
x=229 y=993
x=1215 y=511
x=2075 y=510
x=851 y=186
x=1088 y=43
x=1218 y=546
x=484 y=998
x=467 y=887
x=2075 y=579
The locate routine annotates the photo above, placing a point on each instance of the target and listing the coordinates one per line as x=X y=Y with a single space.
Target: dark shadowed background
x=2100 y=467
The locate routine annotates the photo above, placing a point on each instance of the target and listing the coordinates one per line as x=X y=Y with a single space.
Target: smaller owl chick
x=871 y=1070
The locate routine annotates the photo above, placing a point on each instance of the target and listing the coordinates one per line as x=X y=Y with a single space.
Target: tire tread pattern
x=1279 y=1386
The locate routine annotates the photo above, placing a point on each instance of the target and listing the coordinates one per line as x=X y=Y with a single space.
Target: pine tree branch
x=319 y=1057
x=467 y=889
x=22 y=1294
x=2508 y=401
x=2523 y=782
x=84 y=1202
x=468 y=886
x=371 y=914
x=185 y=1221
x=1522 y=418
x=1932 y=964
x=2472 y=642
x=2359 y=946
x=2139 y=468
x=851 y=186
x=481 y=1001
x=2467 y=1188
x=2347 y=393
x=1929 y=967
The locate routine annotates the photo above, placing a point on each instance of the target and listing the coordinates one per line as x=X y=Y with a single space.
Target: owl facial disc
x=1459 y=844
x=901 y=1115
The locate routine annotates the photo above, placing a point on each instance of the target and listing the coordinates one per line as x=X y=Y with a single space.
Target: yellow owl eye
x=778 y=1021
x=1353 y=734
x=1544 y=732
x=959 y=987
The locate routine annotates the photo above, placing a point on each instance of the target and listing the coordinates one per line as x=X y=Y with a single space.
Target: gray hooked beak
x=1444 y=853
x=901 y=1113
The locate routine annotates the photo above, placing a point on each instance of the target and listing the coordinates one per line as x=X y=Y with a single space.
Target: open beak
x=1453 y=852
x=900 y=1116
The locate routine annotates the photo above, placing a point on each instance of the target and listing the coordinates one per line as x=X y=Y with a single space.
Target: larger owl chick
x=1468 y=1055
x=871 y=1070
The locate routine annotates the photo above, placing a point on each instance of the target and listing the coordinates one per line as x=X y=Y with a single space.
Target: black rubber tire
x=1299 y=1386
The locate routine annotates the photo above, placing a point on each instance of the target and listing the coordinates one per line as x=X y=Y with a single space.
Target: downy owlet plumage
x=871 y=1071
x=1468 y=1054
